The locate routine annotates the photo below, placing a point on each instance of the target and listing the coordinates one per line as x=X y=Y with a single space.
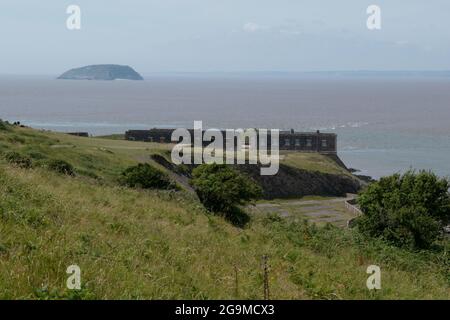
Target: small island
x=102 y=72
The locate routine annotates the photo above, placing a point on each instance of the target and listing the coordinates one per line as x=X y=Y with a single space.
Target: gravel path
x=319 y=211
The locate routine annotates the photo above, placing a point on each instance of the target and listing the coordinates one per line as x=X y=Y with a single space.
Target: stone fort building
x=288 y=140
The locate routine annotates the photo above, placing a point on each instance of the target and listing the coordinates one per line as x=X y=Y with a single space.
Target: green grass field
x=312 y=162
x=134 y=244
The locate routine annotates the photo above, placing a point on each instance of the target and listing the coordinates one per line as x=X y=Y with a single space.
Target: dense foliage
x=221 y=189
x=407 y=210
x=146 y=177
x=3 y=125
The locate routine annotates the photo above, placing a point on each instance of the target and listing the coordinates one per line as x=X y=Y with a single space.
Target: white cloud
x=251 y=27
x=291 y=29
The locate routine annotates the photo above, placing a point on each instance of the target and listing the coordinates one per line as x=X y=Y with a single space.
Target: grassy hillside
x=155 y=244
x=93 y=157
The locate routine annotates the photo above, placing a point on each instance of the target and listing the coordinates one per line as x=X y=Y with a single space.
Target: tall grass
x=145 y=244
x=135 y=244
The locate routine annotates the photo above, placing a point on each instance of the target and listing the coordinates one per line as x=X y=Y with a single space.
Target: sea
x=384 y=124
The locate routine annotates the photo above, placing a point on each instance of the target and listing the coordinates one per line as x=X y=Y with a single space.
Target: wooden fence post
x=266 y=277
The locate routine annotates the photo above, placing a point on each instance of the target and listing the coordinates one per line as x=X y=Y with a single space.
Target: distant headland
x=102 y=72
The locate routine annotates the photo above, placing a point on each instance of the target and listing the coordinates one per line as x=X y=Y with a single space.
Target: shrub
x=146 y=177
x=221 y=189
x=3 y=125
x=407 y=210
x=18 y=159
x=61 y=166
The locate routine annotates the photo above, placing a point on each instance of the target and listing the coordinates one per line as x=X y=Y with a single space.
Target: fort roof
x=283 y=132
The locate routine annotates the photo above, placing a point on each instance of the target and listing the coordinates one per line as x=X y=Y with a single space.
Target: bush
x=3 y=125
x=221 y=189
x=61 y=166
x=146 y=177
x=18 y=159
x=407 y=210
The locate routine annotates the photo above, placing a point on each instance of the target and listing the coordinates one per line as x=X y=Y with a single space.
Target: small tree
x=146 y=177
x=3 y=125
x=221 y=189
x=407 y=210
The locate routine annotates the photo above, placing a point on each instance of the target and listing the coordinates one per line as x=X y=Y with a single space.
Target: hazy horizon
x=341 y=73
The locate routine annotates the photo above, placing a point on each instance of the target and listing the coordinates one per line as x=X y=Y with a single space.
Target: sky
x=224 y=35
